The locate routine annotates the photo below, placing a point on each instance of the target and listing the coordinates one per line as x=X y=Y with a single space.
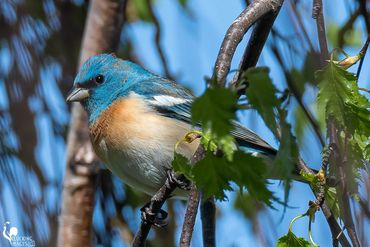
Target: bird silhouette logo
x=9 y=234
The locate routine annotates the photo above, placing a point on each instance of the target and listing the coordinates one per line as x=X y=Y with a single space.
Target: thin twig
x=190 y=216
x=208 y=216
x=158 y=39
x=363 y=54
x=297 y=94
x=255 y=44
x=235 y=34
x=300 y=23
x=317 y=14
x=366 y=16
x=332 y=222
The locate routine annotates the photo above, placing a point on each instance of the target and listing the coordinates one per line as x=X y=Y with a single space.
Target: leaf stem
x=294 y=219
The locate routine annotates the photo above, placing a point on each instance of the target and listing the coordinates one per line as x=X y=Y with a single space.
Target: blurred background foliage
x=39 y=47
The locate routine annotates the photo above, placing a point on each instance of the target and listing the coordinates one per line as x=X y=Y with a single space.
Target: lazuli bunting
x=136 y=118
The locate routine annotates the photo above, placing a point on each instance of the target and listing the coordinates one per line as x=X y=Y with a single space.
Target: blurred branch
x=102 y=32
x=158 y=38
x=236 y=32
x=346 y=27
x=298 y=96
x=365 y=14
x=190 y=216
x=300 y=23
x=208 y=216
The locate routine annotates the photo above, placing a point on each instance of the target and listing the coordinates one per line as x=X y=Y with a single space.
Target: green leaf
x=261 y=95
x=139 y=10
x=227 y=145
x=183 y=3
x=312 y=179
x=287 y=155
x=291 y=240
x=331 y=198
x=340 y=97
x=181 y=165
x=212 y=176
x=248 y=205
x=215 y=110
x=250 y=172
x=349 y=109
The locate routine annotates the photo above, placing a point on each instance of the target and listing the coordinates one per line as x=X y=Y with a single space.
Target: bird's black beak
x=78 y=94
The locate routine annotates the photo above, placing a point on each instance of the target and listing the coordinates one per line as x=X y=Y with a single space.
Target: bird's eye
x=99 y=79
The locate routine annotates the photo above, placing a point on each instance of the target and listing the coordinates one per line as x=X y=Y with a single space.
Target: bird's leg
x=160 y=219
x=179 y=180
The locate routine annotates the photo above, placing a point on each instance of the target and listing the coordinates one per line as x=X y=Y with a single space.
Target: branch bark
x=103 y=26
x=190 y=216
x=153 y=209
x=236 y=32
x=255 y=44
x=317 y=13
x=192 y=205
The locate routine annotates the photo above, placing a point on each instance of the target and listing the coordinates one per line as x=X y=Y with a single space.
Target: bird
x=136 y=117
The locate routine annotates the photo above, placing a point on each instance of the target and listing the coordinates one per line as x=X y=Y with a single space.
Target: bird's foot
x=160 y=219
x=179 y=180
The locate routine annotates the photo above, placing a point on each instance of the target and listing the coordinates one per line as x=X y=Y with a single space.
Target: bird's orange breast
x=129 y=124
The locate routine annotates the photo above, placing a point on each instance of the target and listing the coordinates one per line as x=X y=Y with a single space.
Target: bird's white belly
x=142 y=167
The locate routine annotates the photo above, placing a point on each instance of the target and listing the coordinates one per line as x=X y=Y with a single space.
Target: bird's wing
x=174 y=101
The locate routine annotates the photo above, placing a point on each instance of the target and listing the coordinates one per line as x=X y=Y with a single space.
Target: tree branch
x=255 y=44
x=208 y=216
x=317 y=13
x=192 y=206
x=235 y=34
x=82 y=164
x=190 y=216
x=153 y=209
x=335 y=229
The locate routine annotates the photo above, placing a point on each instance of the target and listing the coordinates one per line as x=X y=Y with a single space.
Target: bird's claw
x=160 y=219
x=179 y=180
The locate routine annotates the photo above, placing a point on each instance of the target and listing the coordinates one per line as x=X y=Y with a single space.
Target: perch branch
x=190 y=216
x=192 y=205
x=153 y=209
x=236 y=32
x=255 y=44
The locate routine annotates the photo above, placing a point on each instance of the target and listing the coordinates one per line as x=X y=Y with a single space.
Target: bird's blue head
x=101 y=80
